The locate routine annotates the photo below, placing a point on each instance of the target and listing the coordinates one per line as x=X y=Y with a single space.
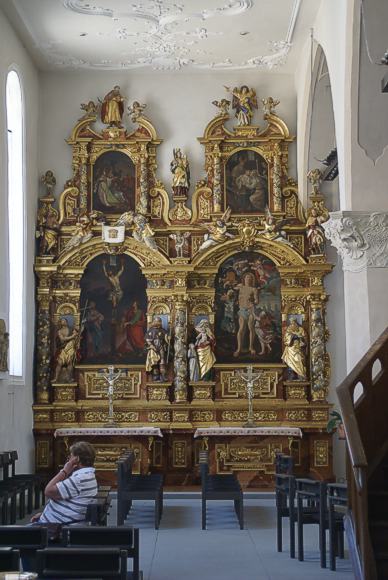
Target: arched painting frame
x=113 y=183
x=246 y=182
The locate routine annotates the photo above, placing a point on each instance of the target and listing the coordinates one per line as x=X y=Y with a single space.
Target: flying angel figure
x=223 y=106
x=217 y=231
x=136 y=111
x=272 y=228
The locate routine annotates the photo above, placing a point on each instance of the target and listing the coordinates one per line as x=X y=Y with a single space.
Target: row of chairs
x=131 y=487
x=82 y=551
x=307 y=501
x=19 y=493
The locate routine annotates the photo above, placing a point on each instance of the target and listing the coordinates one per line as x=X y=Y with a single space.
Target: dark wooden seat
x=34 y=483
x=120 y=537
x=97 y=510
x=132 y=487
x=12 y=491
x=337 y=496
x=105 y=563
x=9 y=560
x=221 y=487
x=285 y=508
x=27 y=539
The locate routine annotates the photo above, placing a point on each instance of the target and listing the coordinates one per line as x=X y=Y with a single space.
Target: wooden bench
x=221 y=487
x=9 y=560
x=132 y=487
x=119 y=537
x=104 y=563
x=27 y=539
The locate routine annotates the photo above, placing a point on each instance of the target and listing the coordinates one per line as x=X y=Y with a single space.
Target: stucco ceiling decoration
x=164 y=34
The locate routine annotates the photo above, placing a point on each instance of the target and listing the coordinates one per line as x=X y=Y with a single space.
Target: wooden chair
x=285 y=508
x=221 y=487
x=308 y=490
x=105 y=563
x=34 y=483
x=131 y=487
x=9 y=560
x=120 y=537
x=337 y=496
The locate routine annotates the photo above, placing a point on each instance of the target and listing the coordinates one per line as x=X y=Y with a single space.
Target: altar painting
x=113 y=311
x=246 y=180
x=114 y=183
x=248 y=309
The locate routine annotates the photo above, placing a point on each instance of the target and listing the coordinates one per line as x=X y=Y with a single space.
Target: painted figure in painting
x=248 y=297
x=265 y=330
x=205 y=344
x=181 y=243
x=157 y=347
x=193 y=363
x=315 y=232
x=93 y=325
x=134 y=323
x=112 y=108
x=295 y=341
x=218 y=231
x=181 y=173
x=247 y=182
x=67 y=342
x=116 y=292
x=244 y=101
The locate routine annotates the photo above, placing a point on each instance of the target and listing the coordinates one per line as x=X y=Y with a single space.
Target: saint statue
x=315 y=232
x=47 y=231
x=67 y=342
x=244 y=101
x=193 y=363
x=112 y=108
x=294 y=348
x=157 y=350
x=181 y=173
x=205 y=344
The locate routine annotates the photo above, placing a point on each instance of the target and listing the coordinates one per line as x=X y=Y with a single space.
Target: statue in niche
x=204 y=345
x=4 y=346
x=244 y=101
x=181 y=243
x=142 y=231
x=116 y=293
x=157 y=350
x=315 y=232
x=112 y=108
x=181 y=173
x=294 y=355
x=67 y=344
x=193 y=363
x=217 y=231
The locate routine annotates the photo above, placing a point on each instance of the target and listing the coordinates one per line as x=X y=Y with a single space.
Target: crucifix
x=111 y=377
x=250 y=378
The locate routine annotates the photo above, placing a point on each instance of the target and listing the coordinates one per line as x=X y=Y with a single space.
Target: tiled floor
x=180 y=550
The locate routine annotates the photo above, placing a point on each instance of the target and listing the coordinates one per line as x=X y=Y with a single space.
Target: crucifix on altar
x=111 y=377
x=250 y=378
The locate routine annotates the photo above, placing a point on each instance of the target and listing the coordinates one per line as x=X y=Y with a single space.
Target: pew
x=104 y=563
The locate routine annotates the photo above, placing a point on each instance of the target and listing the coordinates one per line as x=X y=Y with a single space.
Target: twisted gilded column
x=319 y=360
x=217 y=194
x=277 y=178
x=43 y=337
x=83 y=176
x=143 y=202
x=180 y=352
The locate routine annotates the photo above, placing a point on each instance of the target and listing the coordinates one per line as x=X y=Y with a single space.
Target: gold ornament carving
x=126 y=387
x=297 y=415
x=248 y=457
x=243 y=416
x=318 y=415
x=180 y=416
x=43 y=454
x=158 y=393
x=202 y=416
x=64 y=416
x=233 y=386
x=321 y=453
x=179 y=454
x=159 y=416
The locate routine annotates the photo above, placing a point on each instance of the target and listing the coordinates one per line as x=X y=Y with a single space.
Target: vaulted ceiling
x=163 y=34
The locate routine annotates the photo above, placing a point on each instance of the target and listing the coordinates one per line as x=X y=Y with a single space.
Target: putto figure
x=142 y=231
x=273 y=228
x=83 y=229
x=136 y=111
x=157 y=348
x=244 y=101
x=112 y=108
x=217 y=231
x=181 y=173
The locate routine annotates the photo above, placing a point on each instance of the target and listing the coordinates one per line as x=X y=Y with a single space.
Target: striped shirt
x=76 y=492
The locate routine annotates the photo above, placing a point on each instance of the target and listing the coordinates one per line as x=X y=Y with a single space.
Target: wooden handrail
x=365 y=447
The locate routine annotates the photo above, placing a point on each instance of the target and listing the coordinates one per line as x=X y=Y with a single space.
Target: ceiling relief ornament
x=360 y=238
x=167 y=35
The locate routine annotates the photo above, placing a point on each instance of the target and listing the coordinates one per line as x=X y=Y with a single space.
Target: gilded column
x=217 y=197
x=319 y=360
x=43 y=352
x=180 y=352
x=143 y=202
x=277 y=178
x=83 y=176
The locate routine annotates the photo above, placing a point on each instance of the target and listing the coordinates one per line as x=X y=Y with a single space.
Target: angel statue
x=181 y=173
x=90 y=109
x=181 y=243
x=136 y=111
x=269 y=105
x=223 y=106
x=112 y=108
x=83 y=229
x=272 y=228
x=217 y=231
x=142 y=231
x=244 y=101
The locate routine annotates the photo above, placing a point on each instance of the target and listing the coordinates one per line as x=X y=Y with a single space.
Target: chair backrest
x=5 y=461
x=284 y=488
x=9 y=560
x=13 y=457
x=82 y=563
x=337 y=494
x=23 y=536
x=284 y=464
x=116 y=536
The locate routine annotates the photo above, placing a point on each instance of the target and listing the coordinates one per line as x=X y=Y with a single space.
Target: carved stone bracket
x=360 y=238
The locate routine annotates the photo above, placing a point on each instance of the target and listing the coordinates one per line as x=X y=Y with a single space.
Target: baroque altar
x=179 y=294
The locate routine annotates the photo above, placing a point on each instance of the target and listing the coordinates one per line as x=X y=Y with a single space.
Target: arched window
x=16 y=229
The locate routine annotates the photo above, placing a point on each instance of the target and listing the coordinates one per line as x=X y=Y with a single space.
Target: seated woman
x=69 y=492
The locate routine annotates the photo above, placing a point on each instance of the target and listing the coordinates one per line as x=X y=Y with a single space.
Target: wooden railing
x=366 y=428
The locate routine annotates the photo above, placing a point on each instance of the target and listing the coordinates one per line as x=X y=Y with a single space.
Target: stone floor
x=181 y=550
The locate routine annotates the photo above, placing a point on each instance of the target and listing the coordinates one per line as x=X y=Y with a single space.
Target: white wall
x=16 y=400
x=179 y=105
